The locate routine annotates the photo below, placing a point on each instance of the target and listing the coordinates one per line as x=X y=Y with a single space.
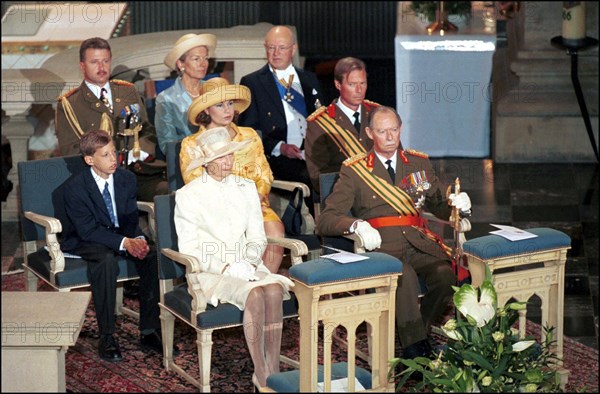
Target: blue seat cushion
x=75 y=272
x=225 y=314
x=324 y=270
x=289 y=382
x=493 y=246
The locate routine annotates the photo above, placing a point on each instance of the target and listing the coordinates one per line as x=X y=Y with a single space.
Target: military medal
x=416 y=182
x=288 y=86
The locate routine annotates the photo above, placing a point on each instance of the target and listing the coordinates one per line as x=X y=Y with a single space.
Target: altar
x=443 y=84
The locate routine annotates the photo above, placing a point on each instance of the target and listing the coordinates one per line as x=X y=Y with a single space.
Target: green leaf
x=477 y=358
x=499 y=370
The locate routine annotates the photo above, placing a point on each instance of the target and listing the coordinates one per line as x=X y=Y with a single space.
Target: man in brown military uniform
x=388 y=219
x=100 y=104
x=350 y=111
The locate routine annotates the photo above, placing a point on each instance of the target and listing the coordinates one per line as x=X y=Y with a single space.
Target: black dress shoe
x=108 y=348
x=418 y=349
x=153 y=341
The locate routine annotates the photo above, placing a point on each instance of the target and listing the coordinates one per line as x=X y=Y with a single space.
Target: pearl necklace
x=192 y=94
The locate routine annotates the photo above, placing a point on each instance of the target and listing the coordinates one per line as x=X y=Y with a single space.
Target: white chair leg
x=31 y=283
x=119 y=303
x=204 y=342
x=167 y=324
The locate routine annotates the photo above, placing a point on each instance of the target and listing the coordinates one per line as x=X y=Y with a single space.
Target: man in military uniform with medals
x=113 y=106
x=337 y=131
x=385 y=189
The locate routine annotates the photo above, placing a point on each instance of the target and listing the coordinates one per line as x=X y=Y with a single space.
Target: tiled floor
x=563 y=196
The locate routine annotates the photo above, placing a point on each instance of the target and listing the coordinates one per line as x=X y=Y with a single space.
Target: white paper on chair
x=512 y=233
x=343 y=256
x=340 y=386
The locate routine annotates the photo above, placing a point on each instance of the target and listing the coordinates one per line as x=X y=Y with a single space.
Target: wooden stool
x=546 y=279
x=322 y=277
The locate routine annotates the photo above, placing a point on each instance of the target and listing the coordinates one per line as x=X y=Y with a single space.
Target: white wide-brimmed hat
x=212 y=144
x=187 y=42
x=218 y=90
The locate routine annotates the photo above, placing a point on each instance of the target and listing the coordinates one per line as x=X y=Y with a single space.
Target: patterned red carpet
x=231 y=365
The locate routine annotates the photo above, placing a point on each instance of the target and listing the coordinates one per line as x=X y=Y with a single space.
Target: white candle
x=573 y=20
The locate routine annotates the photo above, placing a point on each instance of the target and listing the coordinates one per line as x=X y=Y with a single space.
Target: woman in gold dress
x=219 y=105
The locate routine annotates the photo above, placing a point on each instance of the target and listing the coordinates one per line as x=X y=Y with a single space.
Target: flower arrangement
x=428 y=8
x=484 y=352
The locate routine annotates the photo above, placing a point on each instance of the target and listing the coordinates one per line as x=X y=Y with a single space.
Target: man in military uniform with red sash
x=346 y=116
x=99 y=104
x=384 y=190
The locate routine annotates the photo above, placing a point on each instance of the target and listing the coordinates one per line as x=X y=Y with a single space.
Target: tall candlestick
x=573 y=16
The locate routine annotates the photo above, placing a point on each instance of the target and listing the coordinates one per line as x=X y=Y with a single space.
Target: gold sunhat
x=218 y=90
x=187 y=42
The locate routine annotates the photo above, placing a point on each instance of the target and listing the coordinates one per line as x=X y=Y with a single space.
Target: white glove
x=241 y=270
x=461 y=201
x=370 y=236
x=465 y=225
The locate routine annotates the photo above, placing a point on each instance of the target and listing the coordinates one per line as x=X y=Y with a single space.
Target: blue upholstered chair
x=42 y=211
x=174 y=177
x=278 y=197
x=326 y=300
x=350 y=242
x=180 y=300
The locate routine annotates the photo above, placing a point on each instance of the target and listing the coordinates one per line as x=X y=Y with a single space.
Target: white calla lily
x=481 y=308
x=521 y=345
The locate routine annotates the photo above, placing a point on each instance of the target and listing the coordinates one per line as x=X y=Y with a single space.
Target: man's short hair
x=92 y=141
x=381 y=109
x=93 y=43
x=345 y=66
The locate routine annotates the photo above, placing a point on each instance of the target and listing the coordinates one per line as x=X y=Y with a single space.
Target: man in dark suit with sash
x=102 y=226
x=384 y=190
x=282 y=98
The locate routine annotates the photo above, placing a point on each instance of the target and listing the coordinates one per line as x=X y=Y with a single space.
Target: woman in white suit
x=218 y=219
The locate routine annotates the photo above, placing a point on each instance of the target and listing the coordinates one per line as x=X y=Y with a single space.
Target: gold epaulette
x=69 y=93
x=121 y=82
x=371 y=103
x=354 y=159
x=417 y=153
x=316 y=114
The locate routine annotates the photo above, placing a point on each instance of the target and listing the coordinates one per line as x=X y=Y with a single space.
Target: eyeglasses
x=280 y=48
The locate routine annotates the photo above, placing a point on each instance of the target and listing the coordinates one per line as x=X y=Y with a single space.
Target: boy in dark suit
x=102 y=227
